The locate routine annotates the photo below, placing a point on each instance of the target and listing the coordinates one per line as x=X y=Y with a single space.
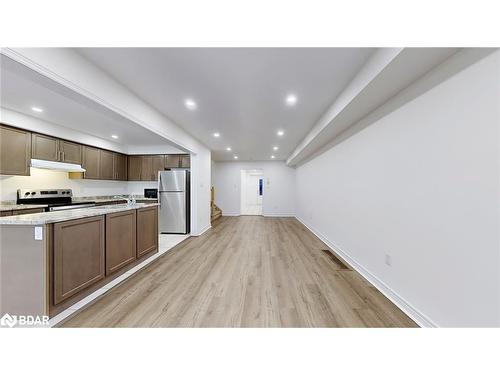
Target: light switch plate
x=39 y=233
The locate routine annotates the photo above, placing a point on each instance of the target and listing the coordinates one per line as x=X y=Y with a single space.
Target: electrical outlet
x=388 y=260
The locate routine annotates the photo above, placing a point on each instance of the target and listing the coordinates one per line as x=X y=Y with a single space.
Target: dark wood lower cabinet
x=78 y=255
x=88 y=253
x=147 y=230
x=120 y=240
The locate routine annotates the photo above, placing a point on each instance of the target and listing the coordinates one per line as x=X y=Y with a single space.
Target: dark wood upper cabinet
x=134 y=167
x=120 y=240
x=147 y=230
x=15 y=151
x=158 y=165
x=70 y=152
x=147 y=168
x=79 y=255
x=185 y=161
x=49 y=148
x=173 y=161
x=19 y=146
x=91 y=162
x=44 y=147
x=120 y=166
x=106 y=171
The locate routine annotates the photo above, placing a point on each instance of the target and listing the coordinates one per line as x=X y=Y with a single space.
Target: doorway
x=252 y=192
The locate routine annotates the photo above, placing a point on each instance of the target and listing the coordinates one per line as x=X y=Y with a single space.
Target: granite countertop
x=14 y=206
x=79 y=213
x=11 y=205
x=101 y=199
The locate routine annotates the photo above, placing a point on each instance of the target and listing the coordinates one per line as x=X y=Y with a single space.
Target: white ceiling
x=239 y=92
x=22 y=88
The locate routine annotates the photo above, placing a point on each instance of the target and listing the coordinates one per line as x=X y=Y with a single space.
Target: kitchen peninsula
x=51 y=260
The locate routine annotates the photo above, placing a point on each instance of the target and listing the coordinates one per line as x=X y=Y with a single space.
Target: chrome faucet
x=130 y=199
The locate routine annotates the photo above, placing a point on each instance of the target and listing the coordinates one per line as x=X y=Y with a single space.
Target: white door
x=252 y=185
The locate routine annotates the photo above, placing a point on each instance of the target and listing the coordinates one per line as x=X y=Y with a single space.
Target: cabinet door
x=44 y=147
x=158 y=165
x=120 y=240
x=173 y=161
x=134 y=167
x=147 y=168
x=147 y=230
x=70 y=152
x=186 y=161
x=78 y=249
x=106 y=171
x=15 y=151
x=120 y=166
x=91 y=160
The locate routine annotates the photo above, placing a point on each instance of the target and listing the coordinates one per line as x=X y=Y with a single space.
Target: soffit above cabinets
x=21 y=89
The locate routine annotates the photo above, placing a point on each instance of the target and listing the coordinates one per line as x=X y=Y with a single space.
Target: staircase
x=216 y=212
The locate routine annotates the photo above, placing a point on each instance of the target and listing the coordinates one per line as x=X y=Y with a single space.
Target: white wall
x=42 y=179
x=279 y=187
x=422 y=185
x=67 y=67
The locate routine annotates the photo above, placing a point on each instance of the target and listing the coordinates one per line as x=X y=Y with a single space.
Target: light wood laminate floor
x=246 y=271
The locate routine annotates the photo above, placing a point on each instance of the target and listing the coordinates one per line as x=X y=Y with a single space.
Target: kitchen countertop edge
x=66 y=215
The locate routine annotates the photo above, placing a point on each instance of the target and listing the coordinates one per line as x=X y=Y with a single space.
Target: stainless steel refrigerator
x=174 y=199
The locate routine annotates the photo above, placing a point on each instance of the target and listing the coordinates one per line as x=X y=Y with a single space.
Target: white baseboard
x=203 y=230
x=230 y=213
x=278 y=215
x=406 y=307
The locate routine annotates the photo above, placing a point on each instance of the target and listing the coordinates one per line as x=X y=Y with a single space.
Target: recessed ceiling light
x=190 y=104
x=275 y=148
x=37 y=109
x=114 y=136
x=235 y=157
x=291 y=100
x=280 y=133
x=216 y=135
x=228 y=148
x=272 y=156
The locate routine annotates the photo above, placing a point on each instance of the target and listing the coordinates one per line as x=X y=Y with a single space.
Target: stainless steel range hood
x=56 y=165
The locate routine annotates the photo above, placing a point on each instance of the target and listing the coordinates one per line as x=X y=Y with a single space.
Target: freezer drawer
x=172 y=213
